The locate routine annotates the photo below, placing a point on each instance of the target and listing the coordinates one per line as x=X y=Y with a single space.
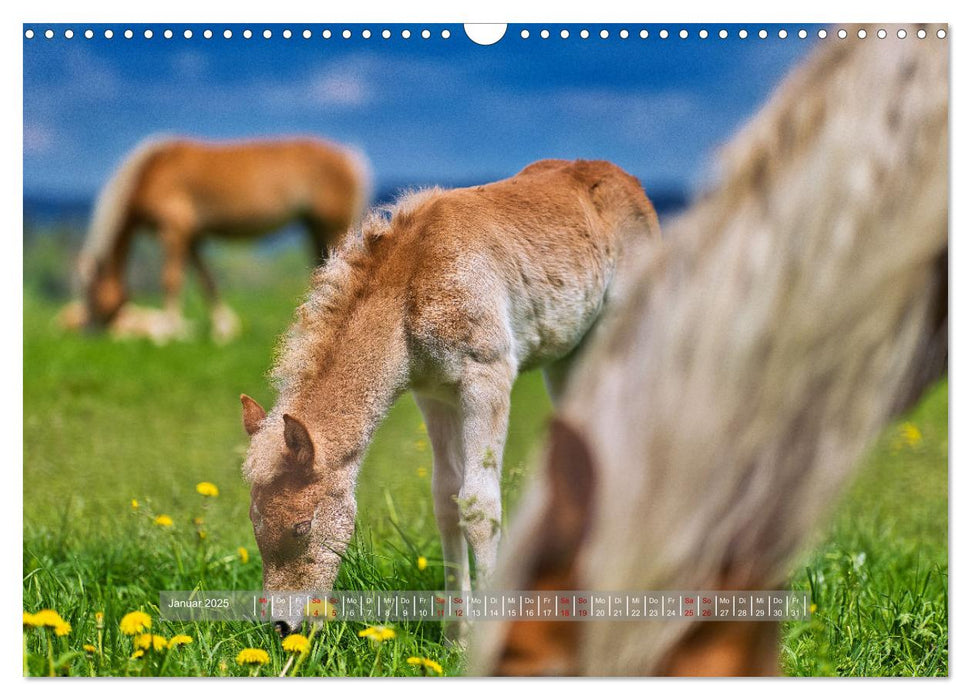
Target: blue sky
x=435 y=110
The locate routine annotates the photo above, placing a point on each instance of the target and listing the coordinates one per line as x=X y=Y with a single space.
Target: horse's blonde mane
x=111 y=206
x=334 y=288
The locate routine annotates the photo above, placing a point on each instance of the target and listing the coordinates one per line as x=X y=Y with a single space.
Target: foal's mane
x=335 y=287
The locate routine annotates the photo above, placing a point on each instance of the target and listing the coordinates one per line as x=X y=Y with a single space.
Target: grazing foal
x=784 y=320
x=184 y=190
x=453 y=297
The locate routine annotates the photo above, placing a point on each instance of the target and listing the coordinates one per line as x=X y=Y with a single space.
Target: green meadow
x=117 y=434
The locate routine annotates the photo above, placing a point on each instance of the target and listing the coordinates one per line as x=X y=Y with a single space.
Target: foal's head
x=303 y=517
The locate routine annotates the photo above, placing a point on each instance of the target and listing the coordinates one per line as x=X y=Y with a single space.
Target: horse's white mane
x=111 y=206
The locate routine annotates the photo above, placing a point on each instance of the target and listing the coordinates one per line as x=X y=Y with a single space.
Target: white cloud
x=38 y=139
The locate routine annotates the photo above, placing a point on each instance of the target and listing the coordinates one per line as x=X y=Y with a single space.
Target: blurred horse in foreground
x=184 y=190
x=787 y=317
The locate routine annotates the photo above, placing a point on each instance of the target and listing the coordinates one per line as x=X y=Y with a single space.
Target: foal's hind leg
x=484 y=398
x=225 y=322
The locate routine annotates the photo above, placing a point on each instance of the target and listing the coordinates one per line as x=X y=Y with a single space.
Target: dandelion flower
x=99 y=620
x=134 y=504
x=911 y=434
x=90 y=648
x=163 y=521
x=424 y=663
x=62 y=629
x=422 y=472
x=207 y=489
x=46 y=618
x=422 y=563
x=296 y=643
x=813 y=608
x=257 y=657
x=378 y=633
x=202 y=534
x=138 y=654
x=134 y=623
x=243 y=554
x=179 y=640
x=150 y=641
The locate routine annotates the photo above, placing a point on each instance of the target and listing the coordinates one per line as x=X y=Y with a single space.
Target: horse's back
x=258 y=184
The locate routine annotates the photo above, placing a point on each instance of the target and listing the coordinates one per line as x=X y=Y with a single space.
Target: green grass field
x=107 y=422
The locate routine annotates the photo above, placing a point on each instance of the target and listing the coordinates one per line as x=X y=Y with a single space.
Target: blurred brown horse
x=786 y=318
x=183 y=190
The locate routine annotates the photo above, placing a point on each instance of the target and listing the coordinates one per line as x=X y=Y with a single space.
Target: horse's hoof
x=225 y=325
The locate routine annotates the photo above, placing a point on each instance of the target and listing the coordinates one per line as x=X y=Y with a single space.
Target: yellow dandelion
x=138 y=654
x=135 y=623
x=813 y=608
x=422 y=563
x=30 y=620
x=207 y=489
x=62 y=629
x=134 y=504
x=243 y=554
x=90 y=648
x=378 y=633
x=163 y=520
x=422 y=472
x=202 y=534
x=99 y=620
x=179 y=640
x=257 y=657
x=48 y=618
x=911 y=434
x=296 y=643
x=424 y=663
x=147 y=641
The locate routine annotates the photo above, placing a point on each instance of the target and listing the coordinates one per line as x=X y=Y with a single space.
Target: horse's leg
x=445 y=432
x=175 y=248
x=225 y=322
x=484 y=395
x=555 y=376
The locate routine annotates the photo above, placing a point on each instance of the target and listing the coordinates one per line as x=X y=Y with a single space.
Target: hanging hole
x=485 y=34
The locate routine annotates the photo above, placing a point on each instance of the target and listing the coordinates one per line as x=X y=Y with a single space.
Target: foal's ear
x=298 y=442
x=253 y=414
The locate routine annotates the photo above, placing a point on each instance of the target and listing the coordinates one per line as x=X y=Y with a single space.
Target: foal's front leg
x=445 y=432
x=485 y=393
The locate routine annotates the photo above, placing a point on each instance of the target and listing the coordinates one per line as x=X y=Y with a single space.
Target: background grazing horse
x=784 y=320
x=184 y=190
x=452 y=297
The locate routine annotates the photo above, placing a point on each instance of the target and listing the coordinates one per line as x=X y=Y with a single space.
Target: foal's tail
x=111 y=207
